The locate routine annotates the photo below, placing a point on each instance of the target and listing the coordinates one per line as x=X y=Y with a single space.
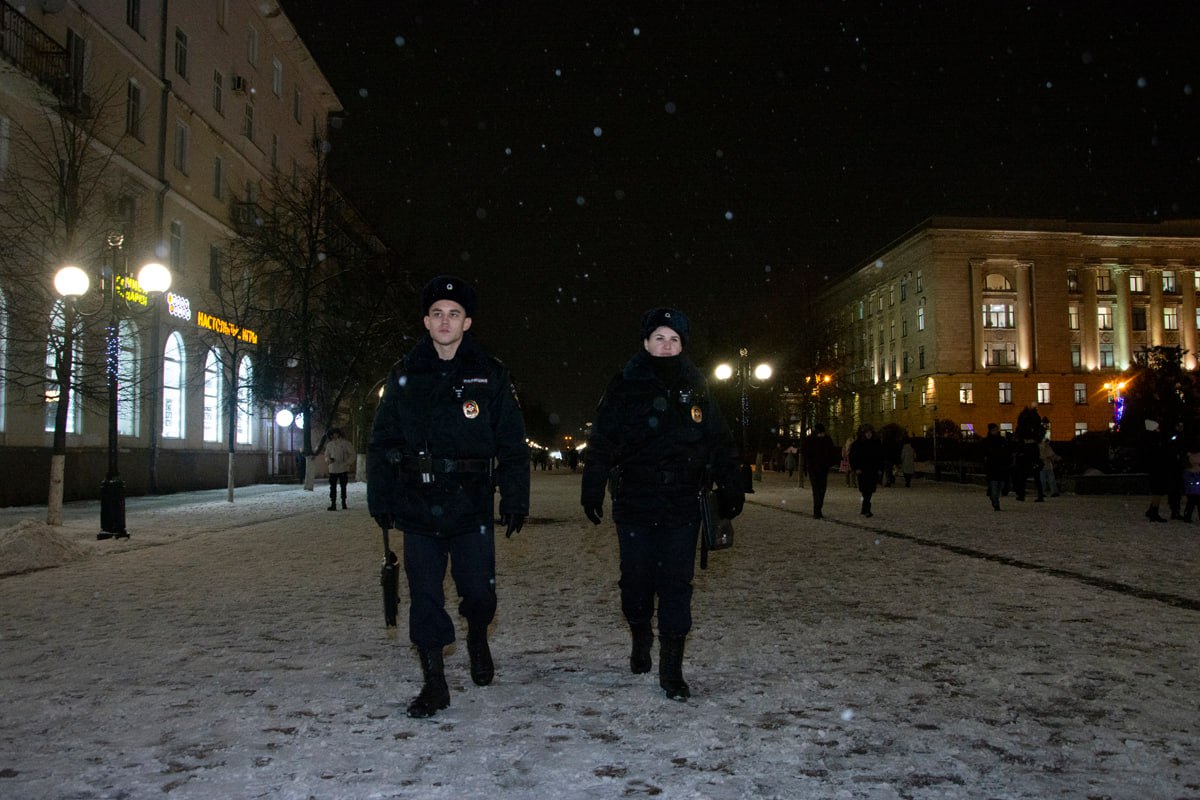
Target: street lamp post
x=119 y=290
x=746 y=378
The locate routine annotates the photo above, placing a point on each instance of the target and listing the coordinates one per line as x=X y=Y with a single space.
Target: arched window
x=995 y=282
x=129 y=379
x=174 y=370
x=245 y=415
x=214 y=392
x=54 y=351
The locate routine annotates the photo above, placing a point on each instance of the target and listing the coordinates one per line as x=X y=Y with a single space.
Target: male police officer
x=448 y=429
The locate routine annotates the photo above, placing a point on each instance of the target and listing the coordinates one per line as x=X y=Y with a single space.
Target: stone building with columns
x=967 y=321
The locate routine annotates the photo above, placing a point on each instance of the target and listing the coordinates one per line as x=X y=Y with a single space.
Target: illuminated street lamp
x=120 y=293
x=747 y=378
x=1116 y=398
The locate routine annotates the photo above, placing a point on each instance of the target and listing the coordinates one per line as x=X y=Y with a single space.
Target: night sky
x=582 y=162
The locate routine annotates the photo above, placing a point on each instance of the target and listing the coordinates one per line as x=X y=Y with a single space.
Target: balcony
x=35 y=53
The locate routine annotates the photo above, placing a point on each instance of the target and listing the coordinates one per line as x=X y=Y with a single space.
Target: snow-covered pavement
x=936 y=650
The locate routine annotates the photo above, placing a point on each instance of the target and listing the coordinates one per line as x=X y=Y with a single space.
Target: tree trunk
x=230 y=478
x=54 y=504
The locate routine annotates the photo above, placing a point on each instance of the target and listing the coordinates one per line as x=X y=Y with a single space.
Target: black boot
x=643 y=640
x=434 y=694
x=482 y=668
x=332 y=506
x=670 y=668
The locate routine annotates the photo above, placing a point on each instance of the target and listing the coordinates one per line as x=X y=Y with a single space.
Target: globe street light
x=747 y=378
x=120 y=294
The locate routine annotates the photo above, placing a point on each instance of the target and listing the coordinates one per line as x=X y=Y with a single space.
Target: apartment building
x=194 y=107
x=966 y=321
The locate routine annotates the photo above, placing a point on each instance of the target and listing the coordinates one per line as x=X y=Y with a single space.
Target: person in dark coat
x=866 y=459
x=448 y=429
x=1027 y=462
x=997 y=462
x=821 y=454
x=658 y=437
x=1161 y=466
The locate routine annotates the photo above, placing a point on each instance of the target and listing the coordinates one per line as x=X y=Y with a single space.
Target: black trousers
x=337 y=479
x=658 y=561
x=820 y=482
x=472 y=560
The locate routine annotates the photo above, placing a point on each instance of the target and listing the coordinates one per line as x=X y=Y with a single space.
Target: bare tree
x=328 y=300
x=60 y=202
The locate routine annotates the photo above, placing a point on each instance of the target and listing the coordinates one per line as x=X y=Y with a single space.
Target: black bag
x=716 y=532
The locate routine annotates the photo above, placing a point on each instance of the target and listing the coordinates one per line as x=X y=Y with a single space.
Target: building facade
x=189 y=109
x=963 y=322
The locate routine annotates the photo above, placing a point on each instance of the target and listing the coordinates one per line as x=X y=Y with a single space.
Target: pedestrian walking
x=1026 y=464
x=447 y=431
x=1050 y=461
x=1160 y=466
x=821 y=454
x=997 y=463
x=866 y=459
x=658 y=437
x=851 y=478
x=339 y=459
x=908 y=463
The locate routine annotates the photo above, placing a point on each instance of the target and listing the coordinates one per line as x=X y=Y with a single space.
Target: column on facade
x=1122 y=318
x=1089 y=333
x=976 y=275
x=1154 y=312
x=1026 y=357
x=1187 y=316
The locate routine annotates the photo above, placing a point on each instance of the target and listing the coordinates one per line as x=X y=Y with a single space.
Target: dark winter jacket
x=866 y=454
x=657 y=432
x=997 y=457
x=820 y=454
x=464 y=414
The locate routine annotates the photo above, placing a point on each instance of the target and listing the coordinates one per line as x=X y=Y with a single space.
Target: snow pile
x=31 y=545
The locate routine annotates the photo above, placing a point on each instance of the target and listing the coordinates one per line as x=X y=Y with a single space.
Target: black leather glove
x=730 y=503
x=385 y=521
x=594 y=511
x=514 y=523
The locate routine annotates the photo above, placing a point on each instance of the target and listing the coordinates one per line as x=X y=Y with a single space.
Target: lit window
x=1006 y=427
x=1005 y=395
x=1001 y=354
x=55 y=346
x=1080 y=428
x=1103 y=281
x=173 y=387
x=1073 y=317
x=1081 y=394
x=1168 y=280
x=995 y=282
x=1043 y=393
x=277 y=77
x=1106 y=356
x=213 y=389
x=129 y=378
x=998 y=315
x=1137 y=281
x=1104 y=317
x=1076 y=355
x=967 y=430
x=966 y=393
x=245 y=416
x=921 y=315
x=1171 y=318
x=1072 y=280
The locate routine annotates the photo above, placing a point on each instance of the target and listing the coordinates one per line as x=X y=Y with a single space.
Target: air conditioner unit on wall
x=238 y=83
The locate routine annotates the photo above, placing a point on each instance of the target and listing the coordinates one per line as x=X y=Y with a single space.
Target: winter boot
x=482 y=668
x=670 y=668
x=332 y=506
x=343 y=502
x=643 y=640
x=434 y=694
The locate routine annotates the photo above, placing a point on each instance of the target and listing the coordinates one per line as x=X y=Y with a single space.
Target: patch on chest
x=470 y=409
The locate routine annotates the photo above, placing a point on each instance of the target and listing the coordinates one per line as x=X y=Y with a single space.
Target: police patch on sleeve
x=470 y=409
x=697 y=414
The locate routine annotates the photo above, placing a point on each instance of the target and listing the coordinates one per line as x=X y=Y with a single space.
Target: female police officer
x=659 y=436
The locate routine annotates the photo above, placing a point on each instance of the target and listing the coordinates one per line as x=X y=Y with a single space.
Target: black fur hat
x=448 y=287
x=672 y=318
